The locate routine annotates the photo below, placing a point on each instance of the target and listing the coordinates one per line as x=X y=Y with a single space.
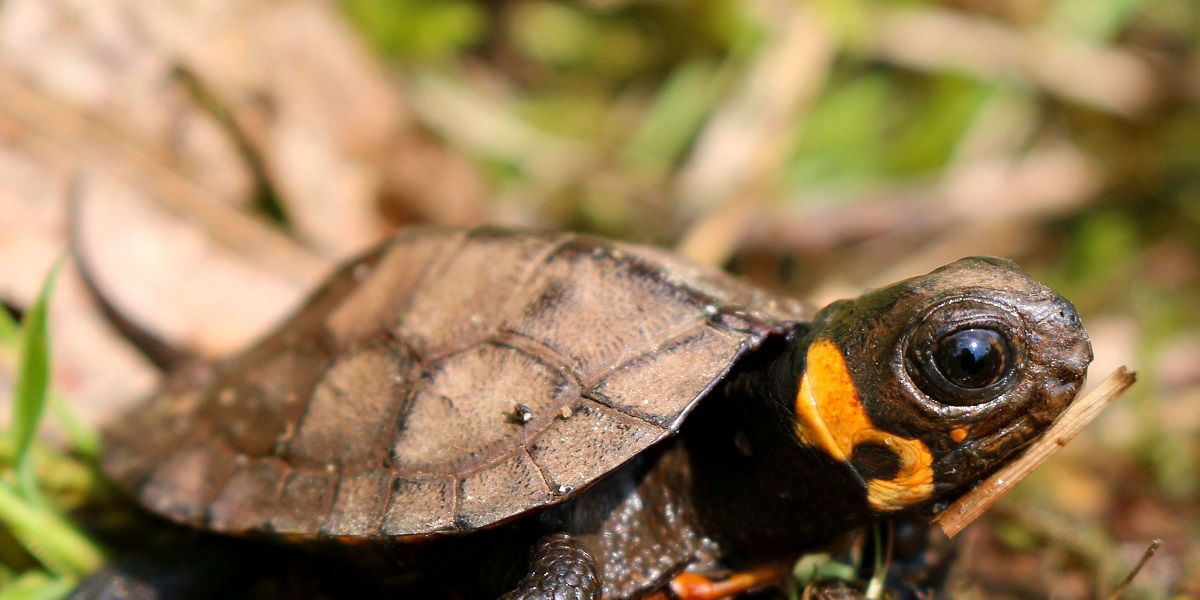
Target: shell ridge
x=540 y=471
x=459 y=520
x=279 y=519
x=607 y=403
x=454 y=247
x=275 y=500
x=141 y=491
x=518 y=295
x=400 y=415
x=456 y=240
x=554 y=245
x=239 y=459
x=282 y=447
x=675 y=338
x=539 y=351
x=749 y=344
x=238 y=510
x=335 y=488
x=456 y=493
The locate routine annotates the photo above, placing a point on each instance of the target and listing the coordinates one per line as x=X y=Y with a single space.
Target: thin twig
x=1116 y=595
x=739 y=154
x=1069 y=424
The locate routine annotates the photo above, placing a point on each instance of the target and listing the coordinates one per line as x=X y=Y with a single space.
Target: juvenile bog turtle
x=599 y=416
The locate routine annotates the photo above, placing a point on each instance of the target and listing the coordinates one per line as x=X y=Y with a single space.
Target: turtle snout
x=1069 y=342
x=1076 y=359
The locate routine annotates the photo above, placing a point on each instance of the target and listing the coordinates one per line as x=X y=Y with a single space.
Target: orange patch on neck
x=959 y=434
x=831 y=417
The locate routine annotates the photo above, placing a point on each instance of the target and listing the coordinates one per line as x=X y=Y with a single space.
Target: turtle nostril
x=1073 y=364
x=1062 y=391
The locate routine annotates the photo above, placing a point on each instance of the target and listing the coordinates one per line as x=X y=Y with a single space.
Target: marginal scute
x=660 y=385
x=304 y=503
x=183 y=484
x=359 y=503
x=131 y=454
x=502 y=490
x=420 y=506
x=724 y=289
x=250 y=497
x=593 y=438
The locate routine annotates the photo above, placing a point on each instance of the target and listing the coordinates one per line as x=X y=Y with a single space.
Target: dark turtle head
x=929 y=384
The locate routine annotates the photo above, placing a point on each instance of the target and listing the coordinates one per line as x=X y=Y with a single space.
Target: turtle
x=545 y=415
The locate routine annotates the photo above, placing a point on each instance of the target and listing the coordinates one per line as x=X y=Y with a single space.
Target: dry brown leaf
x=94 y=89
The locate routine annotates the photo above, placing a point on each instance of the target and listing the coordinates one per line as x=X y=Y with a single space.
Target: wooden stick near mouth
x=972 y=504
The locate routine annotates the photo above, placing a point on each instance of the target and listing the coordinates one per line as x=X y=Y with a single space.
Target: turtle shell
x=446 y=381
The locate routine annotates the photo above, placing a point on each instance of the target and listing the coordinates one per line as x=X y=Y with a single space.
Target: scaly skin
x=561 y=569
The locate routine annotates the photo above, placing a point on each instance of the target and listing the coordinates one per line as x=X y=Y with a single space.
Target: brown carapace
x=607 y=416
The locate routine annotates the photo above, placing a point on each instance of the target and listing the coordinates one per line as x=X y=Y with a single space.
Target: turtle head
x=927 y=385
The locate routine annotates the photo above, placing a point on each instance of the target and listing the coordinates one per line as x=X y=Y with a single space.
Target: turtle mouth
x=979 y=457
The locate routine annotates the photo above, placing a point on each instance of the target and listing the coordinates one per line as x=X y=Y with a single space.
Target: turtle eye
x=965 y=353
x=972 y=358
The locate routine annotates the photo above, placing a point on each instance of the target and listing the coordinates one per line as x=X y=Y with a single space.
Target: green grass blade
x=32 y=384
x=684 y=102
x=49 y=537
x=33 y=381
x=84 y=439
x=875 y=587
x=37 y=585
x=26 y=512
x=9 y=331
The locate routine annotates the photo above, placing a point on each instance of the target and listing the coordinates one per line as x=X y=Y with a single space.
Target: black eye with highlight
x=972 y=358
x=965 y=353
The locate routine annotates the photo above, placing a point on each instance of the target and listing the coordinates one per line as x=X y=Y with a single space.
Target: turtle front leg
x=560 y=569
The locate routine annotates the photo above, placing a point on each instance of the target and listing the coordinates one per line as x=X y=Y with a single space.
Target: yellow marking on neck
x=831 y=417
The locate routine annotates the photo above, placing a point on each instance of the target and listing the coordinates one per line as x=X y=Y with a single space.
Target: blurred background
x=226 y=153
